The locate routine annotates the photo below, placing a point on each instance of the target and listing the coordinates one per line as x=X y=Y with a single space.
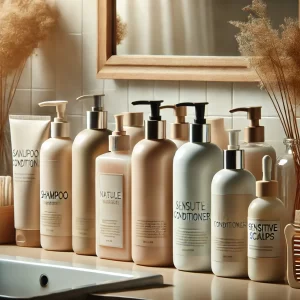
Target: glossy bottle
x=56 y=183
x=232 y=189
x=195 y=165
x=113 y=197
x=87 y=145
x=152 y=192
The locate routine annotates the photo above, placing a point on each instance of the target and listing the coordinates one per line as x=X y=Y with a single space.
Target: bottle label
x=263 y=238
x=191 y=226
x=229 y=227
x=110 y=210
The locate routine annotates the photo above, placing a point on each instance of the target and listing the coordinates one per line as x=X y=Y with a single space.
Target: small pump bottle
x=56 y=183
x=232 y=189
x=180 y=129
x=87 y=145
x=113 y=197
x=152 y=187
x=195 y=165
x=266 y=216
x=134 y=126
x=254 y=145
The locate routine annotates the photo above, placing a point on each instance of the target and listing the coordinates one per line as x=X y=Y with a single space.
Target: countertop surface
x=177 y=284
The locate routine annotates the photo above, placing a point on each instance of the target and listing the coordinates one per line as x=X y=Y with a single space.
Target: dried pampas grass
x=121 y=30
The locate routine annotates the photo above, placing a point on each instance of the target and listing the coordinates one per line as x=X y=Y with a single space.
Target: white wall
x=64 y=67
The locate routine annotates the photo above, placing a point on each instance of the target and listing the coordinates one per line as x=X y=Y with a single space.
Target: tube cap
x=233 y=157
x=97 y=117
x=133 y=119
x=119 y=141
x=253 y=133
x=28 y=238
x=60 y=128
x=267 y=187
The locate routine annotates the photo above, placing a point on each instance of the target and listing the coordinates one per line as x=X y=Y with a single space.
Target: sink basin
x=26 y=278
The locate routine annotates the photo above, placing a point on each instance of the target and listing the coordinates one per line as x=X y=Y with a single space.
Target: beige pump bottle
x=254 y=145
x=152 y=195
x=87 y=145
x=113 y=197
x=56 y=183
x=180 y=129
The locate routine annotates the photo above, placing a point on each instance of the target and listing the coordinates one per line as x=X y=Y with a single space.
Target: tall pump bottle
x=56 y=183
x=232 y=190
x=254 y=145
x=152 y=166
x=195 y=164
x=180 y=129
x=87 y=145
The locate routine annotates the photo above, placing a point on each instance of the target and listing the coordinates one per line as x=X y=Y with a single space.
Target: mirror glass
x=189 y=27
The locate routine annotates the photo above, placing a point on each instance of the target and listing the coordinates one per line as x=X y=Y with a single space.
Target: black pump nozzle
x=154 y=104
x=199 y=110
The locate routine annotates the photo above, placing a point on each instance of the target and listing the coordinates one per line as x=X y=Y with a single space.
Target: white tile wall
x=64 y=67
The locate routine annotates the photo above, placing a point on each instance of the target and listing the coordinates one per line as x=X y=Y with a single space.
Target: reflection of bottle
x=292 y=236
x=233 y=188
x=262 y=291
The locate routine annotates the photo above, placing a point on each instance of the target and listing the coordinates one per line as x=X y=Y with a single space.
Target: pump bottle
x=232 y=190
x=87 y=145
x=113 y=197
x=265 y=230
x=56 y=183
x=180 y=129
x=152 y=167
x=254 y=145
x=195 y=164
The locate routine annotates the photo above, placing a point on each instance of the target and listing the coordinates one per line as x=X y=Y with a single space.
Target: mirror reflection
x=189 y=27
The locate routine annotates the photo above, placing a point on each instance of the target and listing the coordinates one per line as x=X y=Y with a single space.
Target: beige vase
x=5 y=152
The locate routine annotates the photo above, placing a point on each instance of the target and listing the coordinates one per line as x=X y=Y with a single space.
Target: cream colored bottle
x=180 y=129
x=133 y=124
x=56 y=183
x=87 y=145
x=152 y=169
x=254 y=145
x=266 y=216
x=113 y=197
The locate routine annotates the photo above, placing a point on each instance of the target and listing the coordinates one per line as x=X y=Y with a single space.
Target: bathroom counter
x=178 y=285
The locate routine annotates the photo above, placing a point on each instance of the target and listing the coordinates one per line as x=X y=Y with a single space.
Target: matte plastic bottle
x=254 y=145
x=87 y=145
x=152 y=192
x=113 y=197
x=180 y=129
x=56 y=183
x=195 y=164
x=266 y=216
x=232 y=190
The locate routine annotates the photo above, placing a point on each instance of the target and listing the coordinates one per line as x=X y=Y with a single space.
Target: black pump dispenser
x=199 y=130
x=155 y=128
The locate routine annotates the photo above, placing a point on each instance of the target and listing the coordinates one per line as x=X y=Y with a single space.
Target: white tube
x=27 y=135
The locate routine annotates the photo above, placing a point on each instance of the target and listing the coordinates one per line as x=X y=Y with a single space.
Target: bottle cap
x=179 y=129
x=253 y=133
x=199 y=130
x=60 y=127
x=133 y=119
x=119 y=141
x=97 y=117
x=155 y=128
x=233 y=157
x=267 y=187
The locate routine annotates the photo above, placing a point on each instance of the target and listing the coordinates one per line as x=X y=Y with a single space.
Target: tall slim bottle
x=195 y=164
x=87 y=145
x=152 y=168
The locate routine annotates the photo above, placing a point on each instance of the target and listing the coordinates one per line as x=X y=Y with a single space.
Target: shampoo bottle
x=180 y=129
x=195 y=165
x=152 y=187
x=254 y=145
x=113 y=197
x=266 y=216
x=56 y=183
x=232 y=190
x=87 y=145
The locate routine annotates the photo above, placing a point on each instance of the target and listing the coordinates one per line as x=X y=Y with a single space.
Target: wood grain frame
x=161 y=67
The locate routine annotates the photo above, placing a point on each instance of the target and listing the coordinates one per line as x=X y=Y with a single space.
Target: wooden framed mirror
x=189 y=66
